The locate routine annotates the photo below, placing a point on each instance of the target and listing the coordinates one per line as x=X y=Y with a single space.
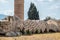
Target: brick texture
x=19 y=8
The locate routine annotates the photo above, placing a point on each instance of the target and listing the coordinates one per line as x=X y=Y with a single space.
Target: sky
x=7 y=7
x=45 y=7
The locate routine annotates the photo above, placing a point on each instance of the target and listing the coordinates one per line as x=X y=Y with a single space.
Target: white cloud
x=51 y=0
x=54 y=7
x=7 y=12
x=40 y=0
x=45 y=0
x=4 y=1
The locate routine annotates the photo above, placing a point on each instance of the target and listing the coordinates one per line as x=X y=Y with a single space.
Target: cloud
x=51 y=0
x=54 y=7
x=7 y=12
x=4 y=1
x=45 y=0
x=5 y=5
x=40 y=0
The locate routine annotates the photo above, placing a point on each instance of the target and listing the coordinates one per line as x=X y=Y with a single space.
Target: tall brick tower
x=19 y=8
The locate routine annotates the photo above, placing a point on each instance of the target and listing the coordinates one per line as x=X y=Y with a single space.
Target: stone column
x=19 y=8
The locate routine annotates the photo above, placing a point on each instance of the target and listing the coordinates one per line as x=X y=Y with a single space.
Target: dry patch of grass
x=49 y=36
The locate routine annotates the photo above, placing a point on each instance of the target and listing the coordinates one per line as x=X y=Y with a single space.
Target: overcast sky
x=7 y=7
x=45 y=7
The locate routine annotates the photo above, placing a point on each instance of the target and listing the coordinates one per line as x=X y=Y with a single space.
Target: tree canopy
x=33 y=13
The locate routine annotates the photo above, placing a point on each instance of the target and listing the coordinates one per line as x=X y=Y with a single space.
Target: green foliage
x=47 y=18
x=33 y=13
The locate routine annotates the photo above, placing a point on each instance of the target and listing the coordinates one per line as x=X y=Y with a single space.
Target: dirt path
x=52 y=36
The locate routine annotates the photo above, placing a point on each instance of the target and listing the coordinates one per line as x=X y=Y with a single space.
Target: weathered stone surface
x=11 y=34
x=14 y=26
x=19 y=8
x=18 y=33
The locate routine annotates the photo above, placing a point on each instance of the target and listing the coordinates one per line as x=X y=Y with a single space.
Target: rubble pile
x=13 y=26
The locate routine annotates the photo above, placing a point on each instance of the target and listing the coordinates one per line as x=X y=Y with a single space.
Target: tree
x=47 y=18
x=33 y=13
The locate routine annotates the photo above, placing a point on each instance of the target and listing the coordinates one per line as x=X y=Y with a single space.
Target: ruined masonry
x=19 y=8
